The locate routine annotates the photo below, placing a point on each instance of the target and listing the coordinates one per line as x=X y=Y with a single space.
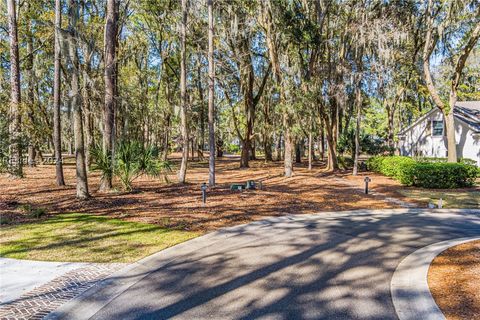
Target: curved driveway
x=335 y=265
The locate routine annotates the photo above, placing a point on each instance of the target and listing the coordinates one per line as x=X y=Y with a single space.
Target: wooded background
x=275 y=77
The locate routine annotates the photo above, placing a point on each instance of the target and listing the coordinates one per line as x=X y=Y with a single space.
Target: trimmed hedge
x=432 y=175
x=432 y=159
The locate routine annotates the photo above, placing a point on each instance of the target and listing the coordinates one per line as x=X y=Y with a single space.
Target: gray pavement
x=18 y=277
x=335 y=265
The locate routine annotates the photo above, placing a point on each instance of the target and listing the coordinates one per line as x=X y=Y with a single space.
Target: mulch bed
x=454 y=280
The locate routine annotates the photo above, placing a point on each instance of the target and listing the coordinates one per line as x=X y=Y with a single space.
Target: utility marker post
x=367 y=180
x=204 y=193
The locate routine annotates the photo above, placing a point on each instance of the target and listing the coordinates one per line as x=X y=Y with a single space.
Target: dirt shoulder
x=454 y=280
x=179 y=206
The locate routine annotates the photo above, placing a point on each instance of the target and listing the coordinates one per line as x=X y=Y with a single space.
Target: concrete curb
x=409 y=286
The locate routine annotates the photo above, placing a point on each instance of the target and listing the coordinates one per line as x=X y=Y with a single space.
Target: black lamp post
x=367 y=180
x=204 y=193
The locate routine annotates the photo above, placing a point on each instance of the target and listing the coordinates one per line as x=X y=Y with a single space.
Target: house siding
x=419 y=141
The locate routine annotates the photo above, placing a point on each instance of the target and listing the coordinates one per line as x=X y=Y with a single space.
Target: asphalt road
x=324 y=266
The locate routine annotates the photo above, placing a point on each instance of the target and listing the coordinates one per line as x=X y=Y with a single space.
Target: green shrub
x=467 y=161
x=37 y=213
x=132 y=160
x=232 y=148
x=391 y=166
x=373 y=163
x=430 y=159
x=430 y=173
x=345 y=162
x=439 y=175
x=32 y=212
x=4 y=220
x=101 y=162
x=436 y=159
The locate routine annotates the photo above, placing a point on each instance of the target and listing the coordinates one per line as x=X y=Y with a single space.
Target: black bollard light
x=204 y=193
x=367 y=180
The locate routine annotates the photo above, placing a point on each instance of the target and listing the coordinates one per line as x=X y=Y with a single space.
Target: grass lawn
x=451 y=199
x=87 y=238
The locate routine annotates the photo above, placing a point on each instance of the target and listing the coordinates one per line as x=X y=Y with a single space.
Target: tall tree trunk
x=81 y=170
x=166 y=138
x=391 y=117
x=298 y=151
x=310 y=149
x=201 y=119
x=267 y=147
x=110 y=83
x=279 y=147
x=211 y=93
x=30 y=92
x=57 y=127
x=88 y=123
x=15 y=160
x=450 y=129
x=329 y=128
x=183 y=93
x=332 y=161
x=358 y=105
x=253 y=148
x=245 y=153
x=288 y=158
x=322 y=140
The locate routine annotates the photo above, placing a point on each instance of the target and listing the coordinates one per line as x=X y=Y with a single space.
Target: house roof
x=466 y=111
x=469 y=112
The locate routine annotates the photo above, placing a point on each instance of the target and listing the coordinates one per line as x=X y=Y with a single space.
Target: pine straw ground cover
x=171 y=205
x=454 y=280
x=460 y=198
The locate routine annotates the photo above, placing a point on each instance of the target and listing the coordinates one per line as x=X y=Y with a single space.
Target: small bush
x=431 y=173
x=468 y=161
x=32 y=212
x=37 y=213
x=345 y=162
x=132 y=159
x=4 y=220
x=391 y=166
x=232 y=148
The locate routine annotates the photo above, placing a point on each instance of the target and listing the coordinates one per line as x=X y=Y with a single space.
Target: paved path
x=326 y=266
x=32 y=289
x=18 y=277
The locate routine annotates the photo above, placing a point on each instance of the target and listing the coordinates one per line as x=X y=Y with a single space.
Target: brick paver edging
x=44 y=299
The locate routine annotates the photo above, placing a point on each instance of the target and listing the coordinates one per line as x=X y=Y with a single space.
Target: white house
x=426 y=136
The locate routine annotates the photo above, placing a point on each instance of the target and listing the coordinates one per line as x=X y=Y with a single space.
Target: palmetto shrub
x=132 y=160
x=101 y=162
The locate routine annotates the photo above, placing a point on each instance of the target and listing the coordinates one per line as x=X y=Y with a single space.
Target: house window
x=437 y=128
x=428 y=129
